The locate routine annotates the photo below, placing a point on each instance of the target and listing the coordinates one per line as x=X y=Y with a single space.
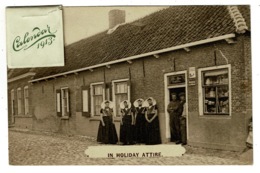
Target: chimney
x=116 y=17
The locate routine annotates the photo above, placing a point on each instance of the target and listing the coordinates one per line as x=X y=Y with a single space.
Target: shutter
x=58 y=102
x=85 y=101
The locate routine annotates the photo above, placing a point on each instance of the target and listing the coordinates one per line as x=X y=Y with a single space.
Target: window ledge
x=23 y=116
x=216 y=116
x=65 y=118
x=94 y=119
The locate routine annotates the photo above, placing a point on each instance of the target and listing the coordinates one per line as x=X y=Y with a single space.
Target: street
x=35 y=148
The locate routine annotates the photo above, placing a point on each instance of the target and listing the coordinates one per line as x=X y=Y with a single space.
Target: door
x=175 y=82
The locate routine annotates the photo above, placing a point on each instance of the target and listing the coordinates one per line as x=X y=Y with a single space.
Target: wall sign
x=192 y=72
x=192 y=82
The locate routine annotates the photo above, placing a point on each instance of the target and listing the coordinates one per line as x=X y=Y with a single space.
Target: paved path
x=26 y=148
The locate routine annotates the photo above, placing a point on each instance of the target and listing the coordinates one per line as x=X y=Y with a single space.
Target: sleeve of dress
x=101 y=111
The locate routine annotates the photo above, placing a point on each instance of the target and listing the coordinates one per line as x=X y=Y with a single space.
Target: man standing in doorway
x=173 y=110
x=182 y=110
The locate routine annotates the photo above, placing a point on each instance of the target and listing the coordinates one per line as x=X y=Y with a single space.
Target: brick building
x=203 y=51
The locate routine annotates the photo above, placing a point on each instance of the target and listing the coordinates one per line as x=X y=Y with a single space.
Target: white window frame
x=19 y=106
x=26 y=99
x=62 y=102
x=114 y=94
x=92 y=96
x=200 y=91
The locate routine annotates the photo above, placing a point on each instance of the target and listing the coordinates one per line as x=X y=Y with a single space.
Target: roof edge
x=238 y=19
x=209 y=40
x=21 y=76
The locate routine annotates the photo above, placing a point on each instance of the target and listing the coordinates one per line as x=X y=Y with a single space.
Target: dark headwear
x=182 y=94
x=174 y=94
x=107 y=101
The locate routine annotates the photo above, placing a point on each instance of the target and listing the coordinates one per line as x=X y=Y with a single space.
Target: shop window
x=26 y=100
x=19 y=101
x=98 y=96
x=121 y=90
x=215 y=91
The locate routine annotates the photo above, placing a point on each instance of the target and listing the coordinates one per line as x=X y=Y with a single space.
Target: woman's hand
x=103 y=124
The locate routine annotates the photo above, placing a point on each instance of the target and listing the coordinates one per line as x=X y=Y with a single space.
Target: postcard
x=140 y=85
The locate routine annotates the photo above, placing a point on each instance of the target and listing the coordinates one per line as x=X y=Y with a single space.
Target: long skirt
x=140 y=131
x=126 y=130
x=107 y=134
x=153 y=131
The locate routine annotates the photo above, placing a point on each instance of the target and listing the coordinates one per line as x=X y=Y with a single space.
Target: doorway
x=175 y=82
x=177 y=91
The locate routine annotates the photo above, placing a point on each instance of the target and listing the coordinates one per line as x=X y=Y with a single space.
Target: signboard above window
x=176 y=79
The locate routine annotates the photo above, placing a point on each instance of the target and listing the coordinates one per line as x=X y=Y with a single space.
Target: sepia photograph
x=130 y=85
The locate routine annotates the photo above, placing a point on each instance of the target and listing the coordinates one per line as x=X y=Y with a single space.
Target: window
x=121 y=90
x=19 y=100
x=12 y=102
x=215 y=91
x=98 y=96
x=65 y=108
x=26 y=100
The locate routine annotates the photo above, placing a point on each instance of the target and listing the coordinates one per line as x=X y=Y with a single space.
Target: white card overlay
x=34 y=36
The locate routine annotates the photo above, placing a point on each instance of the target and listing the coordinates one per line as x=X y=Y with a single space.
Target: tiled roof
x=170 y=27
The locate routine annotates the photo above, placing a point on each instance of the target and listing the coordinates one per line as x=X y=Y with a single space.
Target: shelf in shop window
x=215 y=113
x=210 y=97
x=223 y=97
x=215 y=85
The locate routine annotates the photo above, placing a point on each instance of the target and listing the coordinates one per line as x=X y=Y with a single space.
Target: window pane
x=215 y=77
x=65 y=101
x=19 y=100
x=121 y=87
x=98 y=89
x=223 y=97
x=26 y=106
x=119 y=99
x=19 y=94
x=216 y=91
x=26 y=92
x=97 y=104
x=210 y=100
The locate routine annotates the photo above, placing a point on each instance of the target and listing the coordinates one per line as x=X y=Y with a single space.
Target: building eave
x=28 y=74
x=187 y=45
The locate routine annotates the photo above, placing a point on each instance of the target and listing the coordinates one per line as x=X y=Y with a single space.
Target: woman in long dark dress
x=127 y=122
x=152 y=123
x=139 y=112
x=107 y=131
